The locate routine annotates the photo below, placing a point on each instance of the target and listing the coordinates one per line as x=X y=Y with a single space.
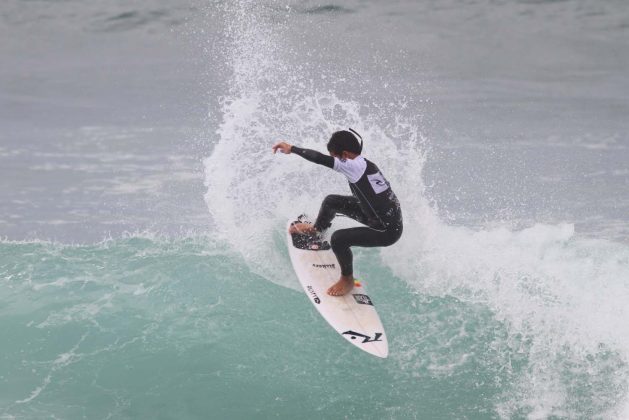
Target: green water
x=154 y=328
x=181 y=329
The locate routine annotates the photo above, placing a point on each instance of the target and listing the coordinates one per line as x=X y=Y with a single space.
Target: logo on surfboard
x=366 y=338
x=324 y=265
x=314 y=295
x=362 y=299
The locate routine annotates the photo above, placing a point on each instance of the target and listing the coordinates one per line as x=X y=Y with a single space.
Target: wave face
x=496 y=303
x=520 y=324
x=546 y=308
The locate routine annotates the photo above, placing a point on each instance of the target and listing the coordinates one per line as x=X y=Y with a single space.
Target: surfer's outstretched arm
x=308 y=154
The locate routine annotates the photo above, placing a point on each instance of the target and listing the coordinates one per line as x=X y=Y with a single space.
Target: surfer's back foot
x=303 y=229
x=342 y=287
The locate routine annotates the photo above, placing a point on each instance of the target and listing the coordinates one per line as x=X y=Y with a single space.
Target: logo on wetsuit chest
x=378 y=183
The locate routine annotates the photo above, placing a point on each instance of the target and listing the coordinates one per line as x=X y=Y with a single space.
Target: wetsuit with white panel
x=372 y=203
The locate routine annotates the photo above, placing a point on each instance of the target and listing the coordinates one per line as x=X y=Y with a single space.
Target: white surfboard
x=353 y=315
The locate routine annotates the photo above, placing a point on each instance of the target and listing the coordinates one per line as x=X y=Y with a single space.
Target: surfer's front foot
x=302 y=228
x=342 y=287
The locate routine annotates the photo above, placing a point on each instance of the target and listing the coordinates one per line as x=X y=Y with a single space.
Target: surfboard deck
x=353 y=315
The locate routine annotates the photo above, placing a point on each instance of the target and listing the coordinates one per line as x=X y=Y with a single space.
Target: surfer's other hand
x=282 y=147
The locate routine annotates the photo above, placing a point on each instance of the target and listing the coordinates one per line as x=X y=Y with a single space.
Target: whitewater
x=143 y=265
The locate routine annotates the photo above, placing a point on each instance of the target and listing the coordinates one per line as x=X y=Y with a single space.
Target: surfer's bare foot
x=302 y=228
x=342 y=287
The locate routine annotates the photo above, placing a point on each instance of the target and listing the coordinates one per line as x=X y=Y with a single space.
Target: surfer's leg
x=334 y=204
x=343 y=239
x=331 y=206
x=341 y=248
x=341 y=242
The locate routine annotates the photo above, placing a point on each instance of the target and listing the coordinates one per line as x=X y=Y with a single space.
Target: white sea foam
x=566 y=296
x=251 y=192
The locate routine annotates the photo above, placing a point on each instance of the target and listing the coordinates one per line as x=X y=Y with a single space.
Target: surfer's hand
x=282 y=147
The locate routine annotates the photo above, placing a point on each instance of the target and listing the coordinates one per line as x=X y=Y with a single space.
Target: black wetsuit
x=373 y=204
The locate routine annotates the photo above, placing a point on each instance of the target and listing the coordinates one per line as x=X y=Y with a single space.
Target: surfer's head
x=345 y=141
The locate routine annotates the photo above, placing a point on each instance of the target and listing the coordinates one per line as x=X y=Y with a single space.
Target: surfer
x=372 y=203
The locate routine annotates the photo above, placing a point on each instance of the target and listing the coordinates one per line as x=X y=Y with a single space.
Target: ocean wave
x=555 y=300
x=132 y=19
x=328 y=8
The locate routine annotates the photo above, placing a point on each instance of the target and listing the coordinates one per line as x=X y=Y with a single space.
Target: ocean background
x=143 y=268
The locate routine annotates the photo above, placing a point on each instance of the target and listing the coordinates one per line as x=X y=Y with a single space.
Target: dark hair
x=345 y=141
